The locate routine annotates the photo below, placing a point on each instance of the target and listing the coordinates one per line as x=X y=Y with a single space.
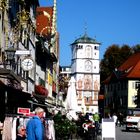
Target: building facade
x=29 y=56
x=17 y=54
x=64 y=77
x=47 y=50
x=85 y=69
x=121 y=86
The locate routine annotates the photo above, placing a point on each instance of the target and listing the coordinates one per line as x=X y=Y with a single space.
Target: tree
x=136 y=48
x=125 y=52
x=108 y=63
x=113 y=58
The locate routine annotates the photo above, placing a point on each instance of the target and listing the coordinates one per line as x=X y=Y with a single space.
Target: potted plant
x=64 y=128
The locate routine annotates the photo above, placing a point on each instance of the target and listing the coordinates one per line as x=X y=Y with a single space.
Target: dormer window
x=79 y=46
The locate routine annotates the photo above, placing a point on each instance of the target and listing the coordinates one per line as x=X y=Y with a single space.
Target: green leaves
x=63 y=126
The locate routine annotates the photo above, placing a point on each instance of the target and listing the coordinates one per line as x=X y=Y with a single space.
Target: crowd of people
x=87 y=125
x=118 y=118
x=35 y=129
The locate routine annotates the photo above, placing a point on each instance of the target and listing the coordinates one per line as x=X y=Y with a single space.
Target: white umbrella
x=71 y=100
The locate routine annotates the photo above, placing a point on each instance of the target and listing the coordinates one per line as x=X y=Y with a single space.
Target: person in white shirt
x=115 y=118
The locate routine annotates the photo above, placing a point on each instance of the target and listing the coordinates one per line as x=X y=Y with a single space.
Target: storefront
x=11 y=94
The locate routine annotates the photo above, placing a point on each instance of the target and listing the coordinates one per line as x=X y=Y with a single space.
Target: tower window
x=87 y=99
x=96 y=48
x=79 y=46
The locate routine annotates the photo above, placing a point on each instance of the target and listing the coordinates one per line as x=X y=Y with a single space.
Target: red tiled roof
x=131 y=66
x=135 y=73
x=43 y=24
x=129 y=69
x=106 y=81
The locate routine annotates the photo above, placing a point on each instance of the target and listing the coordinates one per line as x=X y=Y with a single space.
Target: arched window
x=88 y=51
x=88 y=65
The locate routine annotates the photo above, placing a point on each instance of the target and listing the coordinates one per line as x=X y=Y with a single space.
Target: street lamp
x=10 y=61
x=10 y=53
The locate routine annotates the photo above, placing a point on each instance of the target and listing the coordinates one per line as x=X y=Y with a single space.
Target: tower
x=85 y=69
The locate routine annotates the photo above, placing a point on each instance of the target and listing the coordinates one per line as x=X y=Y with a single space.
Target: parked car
x=132 y=118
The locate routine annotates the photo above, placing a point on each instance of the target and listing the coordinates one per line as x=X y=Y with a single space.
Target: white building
x=85 y=69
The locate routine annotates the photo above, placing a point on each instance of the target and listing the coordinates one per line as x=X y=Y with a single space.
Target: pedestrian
x=115 y=119
x=35 y=127
x=96 y=119
x=21 y=133
x=120 y=118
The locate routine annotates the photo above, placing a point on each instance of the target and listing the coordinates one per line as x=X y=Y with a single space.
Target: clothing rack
x=17 y=115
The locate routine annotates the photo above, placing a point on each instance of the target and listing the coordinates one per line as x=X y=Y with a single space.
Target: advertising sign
x=108 y=129
x=23 y=110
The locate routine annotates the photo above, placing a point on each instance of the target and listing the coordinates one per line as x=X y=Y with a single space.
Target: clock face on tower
x=88 y=66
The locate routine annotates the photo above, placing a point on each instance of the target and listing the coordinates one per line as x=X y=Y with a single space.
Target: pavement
x=74 y=137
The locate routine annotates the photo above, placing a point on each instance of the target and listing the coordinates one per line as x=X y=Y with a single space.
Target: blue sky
x=109 y=21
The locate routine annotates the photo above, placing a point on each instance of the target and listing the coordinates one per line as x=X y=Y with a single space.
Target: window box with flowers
x=41 y=90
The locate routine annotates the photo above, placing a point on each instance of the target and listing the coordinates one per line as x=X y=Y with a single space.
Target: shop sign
x=101 y=97
x=23 y=110
x=21 y=52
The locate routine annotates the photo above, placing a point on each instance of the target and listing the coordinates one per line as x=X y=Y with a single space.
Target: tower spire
x=85 y=29
x=54 y=17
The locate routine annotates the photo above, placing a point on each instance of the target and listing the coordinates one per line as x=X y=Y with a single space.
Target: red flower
x=41 y=90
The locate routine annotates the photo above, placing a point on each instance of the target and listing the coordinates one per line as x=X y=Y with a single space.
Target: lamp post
x=11 y=57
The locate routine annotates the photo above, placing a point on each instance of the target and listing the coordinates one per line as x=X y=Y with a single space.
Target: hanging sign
x=23 y=110
x=23 y=52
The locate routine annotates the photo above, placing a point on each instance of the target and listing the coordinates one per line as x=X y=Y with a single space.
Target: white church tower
x=85 y=69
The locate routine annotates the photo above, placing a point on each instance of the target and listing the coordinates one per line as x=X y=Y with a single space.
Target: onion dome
x=85 y=39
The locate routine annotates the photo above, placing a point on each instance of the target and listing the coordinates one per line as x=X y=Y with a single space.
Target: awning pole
x=6 y=99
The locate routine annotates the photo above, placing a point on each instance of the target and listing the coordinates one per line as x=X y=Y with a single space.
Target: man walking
x=96 y=119
x=35 y=127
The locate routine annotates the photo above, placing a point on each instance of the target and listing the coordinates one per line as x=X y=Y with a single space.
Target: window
x=137 y=85
x=87 y=99
x=96 y=48
x=79 y=46
x=88 y=51
x=41 y=81
x=88 y=66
